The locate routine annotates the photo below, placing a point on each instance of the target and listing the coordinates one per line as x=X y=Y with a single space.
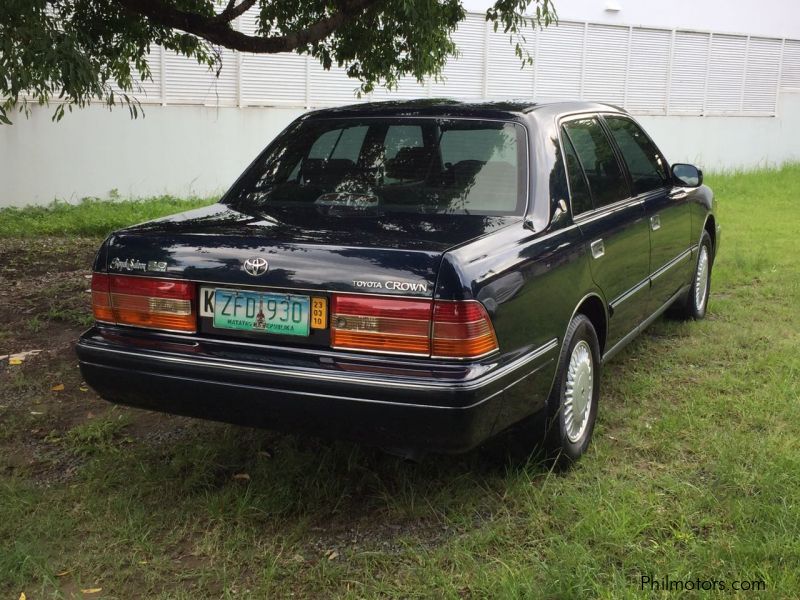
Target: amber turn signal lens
x=440 y=329
x=379 y=324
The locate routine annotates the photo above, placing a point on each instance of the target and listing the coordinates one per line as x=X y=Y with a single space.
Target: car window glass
x=598 y=160
x=580 y=197
x=349 y=146
x=401 y=136
x=484 y=160
x=323 y=145
x=402 y=146
x=645 y=164
x=486 y=145
x=339 y=144
x=392 y=165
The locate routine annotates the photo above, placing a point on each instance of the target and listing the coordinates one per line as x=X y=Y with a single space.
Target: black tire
x=563 y=443
x=695 y=303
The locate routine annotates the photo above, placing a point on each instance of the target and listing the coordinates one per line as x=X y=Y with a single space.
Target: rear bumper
x=376 y=400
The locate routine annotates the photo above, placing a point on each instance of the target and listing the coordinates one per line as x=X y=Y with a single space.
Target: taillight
x=397 y=325
x=461 y=330
x=101 y=298
x=441 y=329
x=144 y=302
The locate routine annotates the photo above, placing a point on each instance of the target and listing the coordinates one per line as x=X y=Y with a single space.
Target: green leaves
x=82 y=51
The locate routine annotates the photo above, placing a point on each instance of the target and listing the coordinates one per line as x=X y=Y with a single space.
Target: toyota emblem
x=255 y=266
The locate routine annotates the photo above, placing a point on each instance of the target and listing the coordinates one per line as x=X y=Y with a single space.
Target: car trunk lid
x=305 y=250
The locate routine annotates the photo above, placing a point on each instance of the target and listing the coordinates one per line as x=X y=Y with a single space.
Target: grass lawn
x=694 y=472
x=89 y=218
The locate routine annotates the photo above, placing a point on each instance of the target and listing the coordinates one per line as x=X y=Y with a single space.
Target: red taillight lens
x=101 y=298
x=144 y=302
x=461 y=330
x=397 y=325
x=442 y=329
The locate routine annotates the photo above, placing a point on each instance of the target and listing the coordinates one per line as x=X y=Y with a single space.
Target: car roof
x=447 y=107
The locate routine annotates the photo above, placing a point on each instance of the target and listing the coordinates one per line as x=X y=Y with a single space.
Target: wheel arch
x=710 y=226
x=594 y=308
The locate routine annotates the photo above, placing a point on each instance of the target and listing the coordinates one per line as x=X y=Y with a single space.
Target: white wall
x=180 y=150
x=184 y=150
x=725 y=143
x=184 y=146
x=776 y=18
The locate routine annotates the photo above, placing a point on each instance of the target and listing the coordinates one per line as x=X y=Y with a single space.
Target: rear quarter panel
x=530 y=284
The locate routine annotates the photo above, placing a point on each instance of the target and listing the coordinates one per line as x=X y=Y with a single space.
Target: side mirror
x=687 y=175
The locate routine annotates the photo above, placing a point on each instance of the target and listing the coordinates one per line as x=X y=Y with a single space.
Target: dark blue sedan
x=416 y=275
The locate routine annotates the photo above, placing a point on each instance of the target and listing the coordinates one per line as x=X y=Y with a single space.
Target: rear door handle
x=655 y=222
x=598 y=249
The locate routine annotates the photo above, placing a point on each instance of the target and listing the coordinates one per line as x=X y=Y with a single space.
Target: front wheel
x=572 y=405
x=697 y=300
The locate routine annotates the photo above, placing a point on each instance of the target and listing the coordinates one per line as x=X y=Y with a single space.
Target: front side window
x=598 y=160
x=647 y=168
x=392 y=165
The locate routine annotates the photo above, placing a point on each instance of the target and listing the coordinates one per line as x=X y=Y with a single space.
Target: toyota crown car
x=416 y=275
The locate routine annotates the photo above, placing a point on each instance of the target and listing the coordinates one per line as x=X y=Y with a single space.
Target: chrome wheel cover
x=579 y=391
x=701 y=278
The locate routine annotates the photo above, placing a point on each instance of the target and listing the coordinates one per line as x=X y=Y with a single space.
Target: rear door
x=611 y=221
x=668 y=215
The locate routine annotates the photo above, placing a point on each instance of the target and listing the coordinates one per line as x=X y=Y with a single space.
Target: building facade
x=721 y=97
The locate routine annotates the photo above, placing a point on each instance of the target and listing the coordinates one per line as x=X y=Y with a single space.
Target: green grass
x=92 y=217
x=102 y=435
x=694 y=473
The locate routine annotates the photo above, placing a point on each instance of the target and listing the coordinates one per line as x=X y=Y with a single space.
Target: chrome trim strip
x=655 y=274
x=346 y=398
x=672 y=263
x=628 y=294
x=642 y=326
x=604 y=211
x=337 y=378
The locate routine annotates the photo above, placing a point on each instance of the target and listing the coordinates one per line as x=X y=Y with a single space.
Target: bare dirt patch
x=45 y=306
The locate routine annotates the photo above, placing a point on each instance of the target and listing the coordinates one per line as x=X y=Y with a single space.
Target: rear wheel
x=572 y=405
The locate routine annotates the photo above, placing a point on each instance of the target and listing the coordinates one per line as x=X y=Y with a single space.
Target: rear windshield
x=391 y=165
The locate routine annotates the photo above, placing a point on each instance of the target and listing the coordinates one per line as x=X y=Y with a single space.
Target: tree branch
x=231 y=11
x=220 y=33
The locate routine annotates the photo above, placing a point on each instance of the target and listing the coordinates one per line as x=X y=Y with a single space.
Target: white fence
x=646 y=70
x=684 y=83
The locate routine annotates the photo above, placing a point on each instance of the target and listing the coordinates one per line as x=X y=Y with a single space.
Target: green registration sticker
x=283 y=314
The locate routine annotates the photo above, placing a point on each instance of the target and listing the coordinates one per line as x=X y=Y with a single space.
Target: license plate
x=284 y=314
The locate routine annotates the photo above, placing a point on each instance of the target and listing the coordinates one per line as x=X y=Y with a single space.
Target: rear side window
x=580 y=196
x=644 y=162
x=596 y=155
